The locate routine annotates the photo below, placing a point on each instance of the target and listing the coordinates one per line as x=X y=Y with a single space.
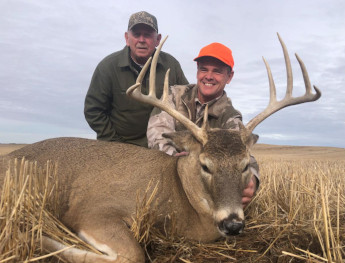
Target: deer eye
x=245 y=168
x=246 y=175
x=205 y=168
x=206 y=165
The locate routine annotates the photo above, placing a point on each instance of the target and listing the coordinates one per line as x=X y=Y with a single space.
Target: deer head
x=220 y=158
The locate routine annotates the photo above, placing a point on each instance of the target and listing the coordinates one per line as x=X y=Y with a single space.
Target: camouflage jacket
x=109 y=111
x=221 y=114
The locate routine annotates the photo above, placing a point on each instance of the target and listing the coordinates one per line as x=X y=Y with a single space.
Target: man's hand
x=249 y=192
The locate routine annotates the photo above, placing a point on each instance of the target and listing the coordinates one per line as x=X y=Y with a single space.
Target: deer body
x=101 y=180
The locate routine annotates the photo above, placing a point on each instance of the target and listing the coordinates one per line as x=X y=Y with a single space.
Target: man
x=109 y=112
x=214 y=70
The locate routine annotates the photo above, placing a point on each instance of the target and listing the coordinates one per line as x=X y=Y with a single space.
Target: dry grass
x=29 y=207
x=297 y=216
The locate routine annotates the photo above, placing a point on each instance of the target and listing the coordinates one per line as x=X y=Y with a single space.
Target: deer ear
x=248 y=138
x=254 y=139
x=183 y=141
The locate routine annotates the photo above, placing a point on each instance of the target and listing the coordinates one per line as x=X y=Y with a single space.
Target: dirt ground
x=261 y=150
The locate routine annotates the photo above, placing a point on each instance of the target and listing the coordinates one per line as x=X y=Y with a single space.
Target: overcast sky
x=49 y=50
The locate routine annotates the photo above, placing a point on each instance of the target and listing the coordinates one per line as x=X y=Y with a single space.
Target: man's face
x=212 y=76
x=142 y=40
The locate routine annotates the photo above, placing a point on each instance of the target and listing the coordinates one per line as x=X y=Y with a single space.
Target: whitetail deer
x=203 y=189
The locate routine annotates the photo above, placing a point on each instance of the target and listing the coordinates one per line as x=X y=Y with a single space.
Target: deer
x=100 y=179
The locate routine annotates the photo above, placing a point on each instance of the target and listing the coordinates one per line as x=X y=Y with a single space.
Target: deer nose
x=231 y=226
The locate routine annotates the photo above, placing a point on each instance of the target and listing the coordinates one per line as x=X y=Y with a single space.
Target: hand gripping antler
x=288 y=100
x=163 y=104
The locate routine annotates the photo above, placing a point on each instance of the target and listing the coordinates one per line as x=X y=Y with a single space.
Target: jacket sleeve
x=160 y=122
x=97 y=107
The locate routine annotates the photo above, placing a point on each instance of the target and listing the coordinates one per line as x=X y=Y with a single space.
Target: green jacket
x=109 y=111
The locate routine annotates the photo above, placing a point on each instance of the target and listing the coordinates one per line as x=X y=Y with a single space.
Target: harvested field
x=7 y=148
x=299 y=152
x=298 y=215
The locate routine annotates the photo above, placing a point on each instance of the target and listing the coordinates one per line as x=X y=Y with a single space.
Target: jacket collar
x=190 y=98
x=125 y=61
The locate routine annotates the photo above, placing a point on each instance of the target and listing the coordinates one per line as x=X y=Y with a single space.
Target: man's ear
x=183 y=141
x=126 y=38
x=231 y=75
x=159 y=37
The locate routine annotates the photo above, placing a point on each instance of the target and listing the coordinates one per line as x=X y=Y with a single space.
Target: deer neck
x=193 y=186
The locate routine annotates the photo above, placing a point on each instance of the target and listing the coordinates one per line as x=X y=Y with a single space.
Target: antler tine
x=135 y=90
x=140 y=78
x=288 y=68
x=307 y=81
x=288 y=100
x=273 y=92
x=152 y=80
x=163 y=104
x=205 y=122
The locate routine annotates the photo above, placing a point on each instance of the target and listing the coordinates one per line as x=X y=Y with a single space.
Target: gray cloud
x=50 y=49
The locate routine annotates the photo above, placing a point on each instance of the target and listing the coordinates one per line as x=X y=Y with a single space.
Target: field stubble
x=298 y=214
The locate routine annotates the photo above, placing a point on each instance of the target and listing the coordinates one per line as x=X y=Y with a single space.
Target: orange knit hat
x=218 y=51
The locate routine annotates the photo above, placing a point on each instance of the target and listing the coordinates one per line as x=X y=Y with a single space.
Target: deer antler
x=163 y=104
x=288 y=100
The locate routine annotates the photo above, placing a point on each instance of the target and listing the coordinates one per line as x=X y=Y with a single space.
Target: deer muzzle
x=231 y=226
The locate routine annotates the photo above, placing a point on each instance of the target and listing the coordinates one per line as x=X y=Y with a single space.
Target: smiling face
x=212 y=76
x=142 y=41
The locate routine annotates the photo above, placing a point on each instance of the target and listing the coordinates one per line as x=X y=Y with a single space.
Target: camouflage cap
x=143 y=18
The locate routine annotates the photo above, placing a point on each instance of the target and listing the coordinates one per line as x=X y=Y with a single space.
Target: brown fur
x=101 y=179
